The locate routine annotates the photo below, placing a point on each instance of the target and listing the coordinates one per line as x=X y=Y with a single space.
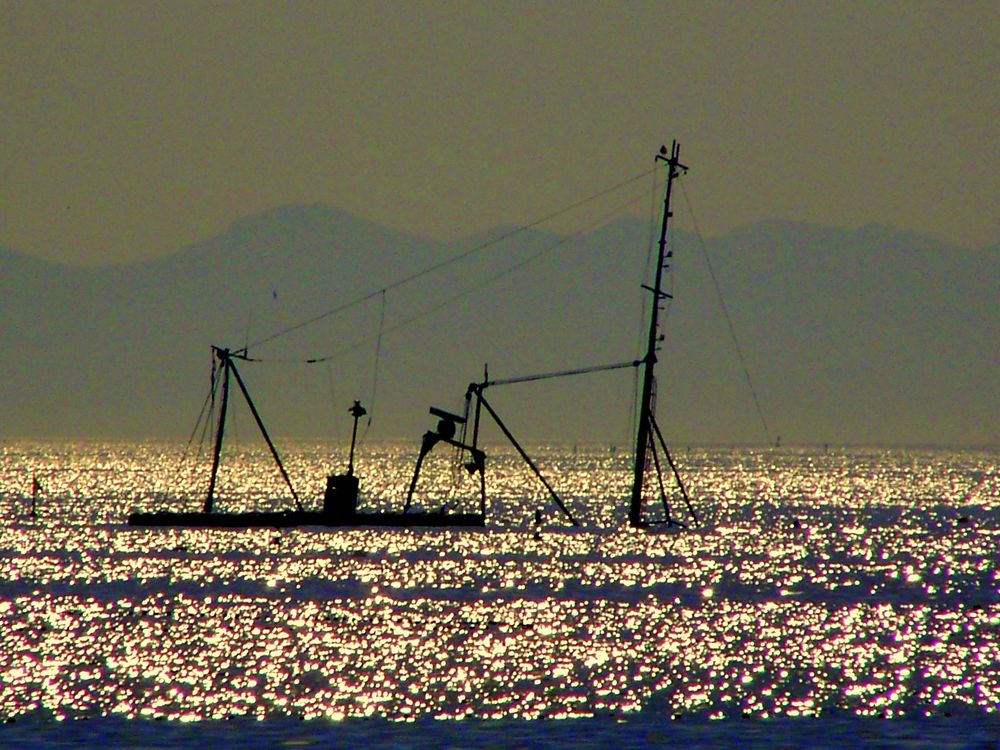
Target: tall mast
x=223 y=357
x=674 y=169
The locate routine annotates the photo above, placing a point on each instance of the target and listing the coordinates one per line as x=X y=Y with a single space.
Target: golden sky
x=131 y=129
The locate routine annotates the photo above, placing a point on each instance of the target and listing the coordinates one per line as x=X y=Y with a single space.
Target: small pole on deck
x=357 y=411
x=35 y=487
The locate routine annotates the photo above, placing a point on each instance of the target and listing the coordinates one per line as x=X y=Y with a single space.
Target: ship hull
x=286 y=519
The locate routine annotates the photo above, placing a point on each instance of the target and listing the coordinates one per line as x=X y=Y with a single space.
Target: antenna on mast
x=648 y=433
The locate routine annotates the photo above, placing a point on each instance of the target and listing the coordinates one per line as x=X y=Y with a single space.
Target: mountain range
x=814 y=334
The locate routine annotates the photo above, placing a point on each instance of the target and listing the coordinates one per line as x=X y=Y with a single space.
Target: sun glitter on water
x=857 y=581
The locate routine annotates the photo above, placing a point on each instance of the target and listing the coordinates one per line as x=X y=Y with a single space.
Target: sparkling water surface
x=824 y=592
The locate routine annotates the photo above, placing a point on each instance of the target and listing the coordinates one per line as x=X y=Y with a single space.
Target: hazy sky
x=132 y=129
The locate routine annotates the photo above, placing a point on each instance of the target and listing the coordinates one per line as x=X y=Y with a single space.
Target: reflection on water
x=821 y=583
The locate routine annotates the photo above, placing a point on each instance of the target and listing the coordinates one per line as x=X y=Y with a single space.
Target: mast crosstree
x=648 y=434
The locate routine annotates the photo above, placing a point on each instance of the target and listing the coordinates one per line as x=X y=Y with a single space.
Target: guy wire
x=725 y=313
x=447 y=262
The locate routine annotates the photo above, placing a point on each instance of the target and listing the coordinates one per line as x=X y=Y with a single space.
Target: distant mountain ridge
x=865 y=335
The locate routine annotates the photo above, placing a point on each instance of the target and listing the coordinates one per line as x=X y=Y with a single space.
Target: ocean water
x=827 y=598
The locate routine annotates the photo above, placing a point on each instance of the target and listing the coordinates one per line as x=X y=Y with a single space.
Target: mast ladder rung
x=658 y=292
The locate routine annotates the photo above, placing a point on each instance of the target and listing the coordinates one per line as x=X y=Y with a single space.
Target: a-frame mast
x=228 y=366
x=645 y=422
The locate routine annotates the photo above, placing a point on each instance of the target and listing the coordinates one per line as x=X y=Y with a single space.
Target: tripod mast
x=644 y=433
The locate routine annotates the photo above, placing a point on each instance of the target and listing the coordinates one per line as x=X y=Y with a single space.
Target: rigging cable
x=447 y=262
x=378 y=353
x=210 y=418
x=457 y=465
x=209 y=397
x=466 y=292
x=725 y=312
x=209 y=405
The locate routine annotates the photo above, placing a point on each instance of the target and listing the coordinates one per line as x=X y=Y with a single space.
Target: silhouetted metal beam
x=677 y=475
x=223 y=355
x=267 y=438
x=526 y=457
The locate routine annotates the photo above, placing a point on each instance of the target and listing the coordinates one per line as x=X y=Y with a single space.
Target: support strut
x=526 y=457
